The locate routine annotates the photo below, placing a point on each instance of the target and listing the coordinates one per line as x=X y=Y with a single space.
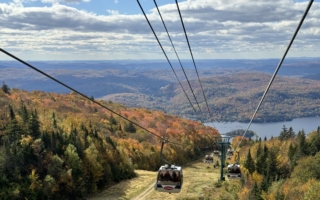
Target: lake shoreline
x=269 y=129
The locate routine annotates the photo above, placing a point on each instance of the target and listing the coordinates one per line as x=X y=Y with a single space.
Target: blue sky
x=116 y=29
x=100 y=7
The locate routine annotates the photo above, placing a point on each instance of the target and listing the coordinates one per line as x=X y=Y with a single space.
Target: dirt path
x=145 y=193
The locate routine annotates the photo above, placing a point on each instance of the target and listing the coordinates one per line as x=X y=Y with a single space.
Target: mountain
x=235 y=98
x=151 y=84
x=64 y=146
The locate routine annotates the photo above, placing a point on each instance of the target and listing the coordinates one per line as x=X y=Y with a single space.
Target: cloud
x=214 y=27
x=113 y=12
x=116 y=1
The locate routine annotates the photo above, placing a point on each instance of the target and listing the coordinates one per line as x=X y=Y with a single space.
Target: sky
x=117 y=29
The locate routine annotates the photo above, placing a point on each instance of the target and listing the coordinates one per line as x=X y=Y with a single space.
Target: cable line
x=185 y=33
x=278 y=67
x=167 y=57
x=177 y=56
x=61 y=83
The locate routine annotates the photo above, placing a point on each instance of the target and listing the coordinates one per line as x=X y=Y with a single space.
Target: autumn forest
x=62 y=146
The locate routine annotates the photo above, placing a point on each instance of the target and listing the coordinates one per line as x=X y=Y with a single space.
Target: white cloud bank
x=216 y=29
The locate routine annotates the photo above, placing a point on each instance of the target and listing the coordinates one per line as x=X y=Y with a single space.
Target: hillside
x=61 y=146
x=286 y=167
x=282 y=168
x=235 y=97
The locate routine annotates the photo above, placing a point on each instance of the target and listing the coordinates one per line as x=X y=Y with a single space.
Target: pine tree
x=272 y=164
x=261 y=161
x=264 y=184
x=24 y=113
x=291 y=133
x=112 y=120
x=256 y=192
x=130 y=128
x=259 y=150
x=12 y=115
x=291 y=152
x=249 y=163
x=34 y=125
x=54 y=121
x=5 y=88
x=302 y=144
x=283 y=134
x=314 y=146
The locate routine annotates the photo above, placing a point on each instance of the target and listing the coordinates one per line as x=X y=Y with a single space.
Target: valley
x=233 y=87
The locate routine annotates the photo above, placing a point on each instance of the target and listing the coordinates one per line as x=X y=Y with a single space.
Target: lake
x=308 y=124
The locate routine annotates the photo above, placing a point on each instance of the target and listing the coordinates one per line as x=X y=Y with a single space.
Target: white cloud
x=113 y=12
x=216 y=28
x=116 y=1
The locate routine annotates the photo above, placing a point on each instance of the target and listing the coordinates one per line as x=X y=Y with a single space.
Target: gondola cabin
x=234 y=171
x=169 y=179
x=208 y=159
x=230 y=152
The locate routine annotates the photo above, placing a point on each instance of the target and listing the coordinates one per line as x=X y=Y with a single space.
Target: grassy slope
x=199 y=181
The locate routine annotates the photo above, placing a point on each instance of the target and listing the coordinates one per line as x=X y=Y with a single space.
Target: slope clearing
x=200 y=180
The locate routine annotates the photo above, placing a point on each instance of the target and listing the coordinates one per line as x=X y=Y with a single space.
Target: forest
x=234 y=97
x=281 y=168
x=63 y=146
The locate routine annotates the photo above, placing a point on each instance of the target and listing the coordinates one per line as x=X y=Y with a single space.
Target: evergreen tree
x=272 y=164
x=249 y=163
x=11 y=112
x=130 y=128
x=265 y=150
x=291 y=133
x=24 y=113
x=5 y=88
x=314 y=146
x=264 y=184
x=292 y=152
x=265 y=138
x=283 y=134
x=302 y=144
x=54 y=121
x=261 y=160
x=112 y=120
x=34 y=125
x=259 y=150
x=13 y=131
x=13 y=159
x=256 y=192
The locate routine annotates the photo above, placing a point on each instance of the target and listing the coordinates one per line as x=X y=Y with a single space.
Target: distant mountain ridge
x=152 y=84
x=235 y=97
